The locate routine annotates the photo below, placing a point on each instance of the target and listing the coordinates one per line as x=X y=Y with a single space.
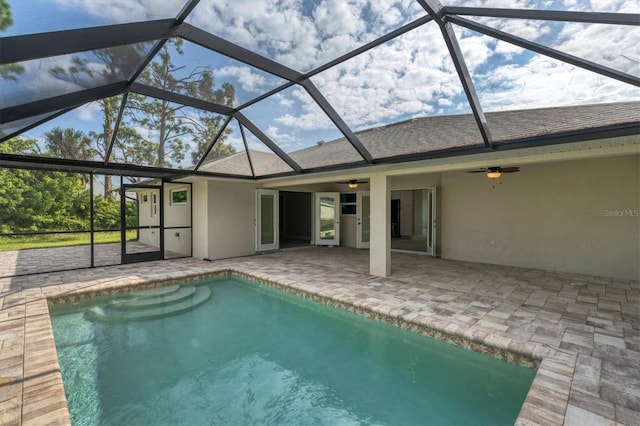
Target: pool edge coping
x=546 y=401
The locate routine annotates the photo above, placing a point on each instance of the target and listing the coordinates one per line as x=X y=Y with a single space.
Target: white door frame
x=275 y=244
x=359 y=220
x=433 y=229
x=431 y=249
x=335 y=241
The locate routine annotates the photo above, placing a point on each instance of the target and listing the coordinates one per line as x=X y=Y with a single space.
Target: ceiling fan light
x=353 y=184
x=494 y=174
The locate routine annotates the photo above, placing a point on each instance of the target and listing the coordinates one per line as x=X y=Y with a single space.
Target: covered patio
x=580 y=330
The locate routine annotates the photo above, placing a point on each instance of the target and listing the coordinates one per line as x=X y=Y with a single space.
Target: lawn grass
x=23 y=242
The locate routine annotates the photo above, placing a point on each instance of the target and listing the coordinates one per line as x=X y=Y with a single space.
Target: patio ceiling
x=256 y=89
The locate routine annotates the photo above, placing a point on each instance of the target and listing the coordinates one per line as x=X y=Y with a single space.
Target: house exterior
x=296 y=110
x=573 y=207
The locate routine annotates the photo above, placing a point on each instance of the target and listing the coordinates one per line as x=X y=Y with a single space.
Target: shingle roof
x=427 y=134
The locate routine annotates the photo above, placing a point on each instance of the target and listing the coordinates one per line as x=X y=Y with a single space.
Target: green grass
x=23 y=242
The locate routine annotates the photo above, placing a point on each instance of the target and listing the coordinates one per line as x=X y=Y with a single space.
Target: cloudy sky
x=407 y=77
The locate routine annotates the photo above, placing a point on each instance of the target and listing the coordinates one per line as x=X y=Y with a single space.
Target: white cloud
x=283 y=101
x=88 y=112
x=284 y=140
x=118 y=11
x=409 y=76
x=298 y=34
x=249 y=81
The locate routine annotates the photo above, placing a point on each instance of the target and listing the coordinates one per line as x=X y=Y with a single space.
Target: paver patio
x=582 y=331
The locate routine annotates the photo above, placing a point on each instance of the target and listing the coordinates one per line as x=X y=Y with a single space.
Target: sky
x=410 y=76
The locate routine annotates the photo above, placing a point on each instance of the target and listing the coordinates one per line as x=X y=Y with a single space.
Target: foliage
x=171 y=126
x=36 y=201
x=5 y=15
x=8 y=71
x=69 y=143
x=171 y=130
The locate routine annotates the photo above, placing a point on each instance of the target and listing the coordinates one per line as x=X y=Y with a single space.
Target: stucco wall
x=231 y=214
x=175 y=215
x=348 y=237
x=574 y=216
x=200 y=205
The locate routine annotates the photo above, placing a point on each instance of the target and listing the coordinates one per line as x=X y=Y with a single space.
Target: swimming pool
x=252 y=354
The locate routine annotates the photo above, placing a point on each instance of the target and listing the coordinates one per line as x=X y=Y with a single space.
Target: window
x=145 y=198
x=348 y=203
x=154 y=204
x=178 y=196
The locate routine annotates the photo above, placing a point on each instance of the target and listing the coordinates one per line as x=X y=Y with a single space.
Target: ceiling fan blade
x=510 y=169
x=477 y=171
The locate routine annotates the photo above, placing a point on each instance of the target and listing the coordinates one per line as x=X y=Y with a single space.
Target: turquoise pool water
x=254 y=355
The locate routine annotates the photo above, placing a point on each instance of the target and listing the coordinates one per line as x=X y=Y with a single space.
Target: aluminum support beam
x=246 y=149
x=337 y=120
x=547 y=51
x=385 y=38
x=212 y=143
x=34 y=125
x=267 y=141
x=81 y=166
x=154 y=92
x=224 y=47
x=266 y=95
x=36 y=46
x=116 y=126
x=152 y=54
x=434 y=8
x=186 y=10
x=57 y=103
x=547 y=15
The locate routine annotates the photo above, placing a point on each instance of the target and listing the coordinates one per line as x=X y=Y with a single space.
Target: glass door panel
x=363 y=220
x=267 y=220
x=328 y=222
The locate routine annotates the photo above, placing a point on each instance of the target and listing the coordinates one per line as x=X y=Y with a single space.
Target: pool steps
x=146 y=305
x=181 y=293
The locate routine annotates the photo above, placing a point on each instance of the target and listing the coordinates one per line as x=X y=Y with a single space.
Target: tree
x=126 y=146
x=207 y=125
x=172 y=127
x=117 y=63
x=69 y=143
x=34 y=200
x=8 y=71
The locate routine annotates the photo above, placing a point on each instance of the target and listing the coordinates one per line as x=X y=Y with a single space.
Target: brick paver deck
x=582 y=331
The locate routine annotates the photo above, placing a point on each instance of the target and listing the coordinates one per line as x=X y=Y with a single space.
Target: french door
x=432 y=233
x=363 y=219
x=327 y=219
x=141 y=223
x=267 y=219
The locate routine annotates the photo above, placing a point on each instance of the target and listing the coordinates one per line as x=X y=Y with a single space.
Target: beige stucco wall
x=200 y=204
x=177 y=240
x=231 y=214
x=348 y=235
x=574 y=216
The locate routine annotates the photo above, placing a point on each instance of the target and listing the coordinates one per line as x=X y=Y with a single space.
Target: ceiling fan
x=353 y=183
x=495 y=172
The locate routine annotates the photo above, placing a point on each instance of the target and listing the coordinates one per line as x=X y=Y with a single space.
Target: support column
x=380 y=245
